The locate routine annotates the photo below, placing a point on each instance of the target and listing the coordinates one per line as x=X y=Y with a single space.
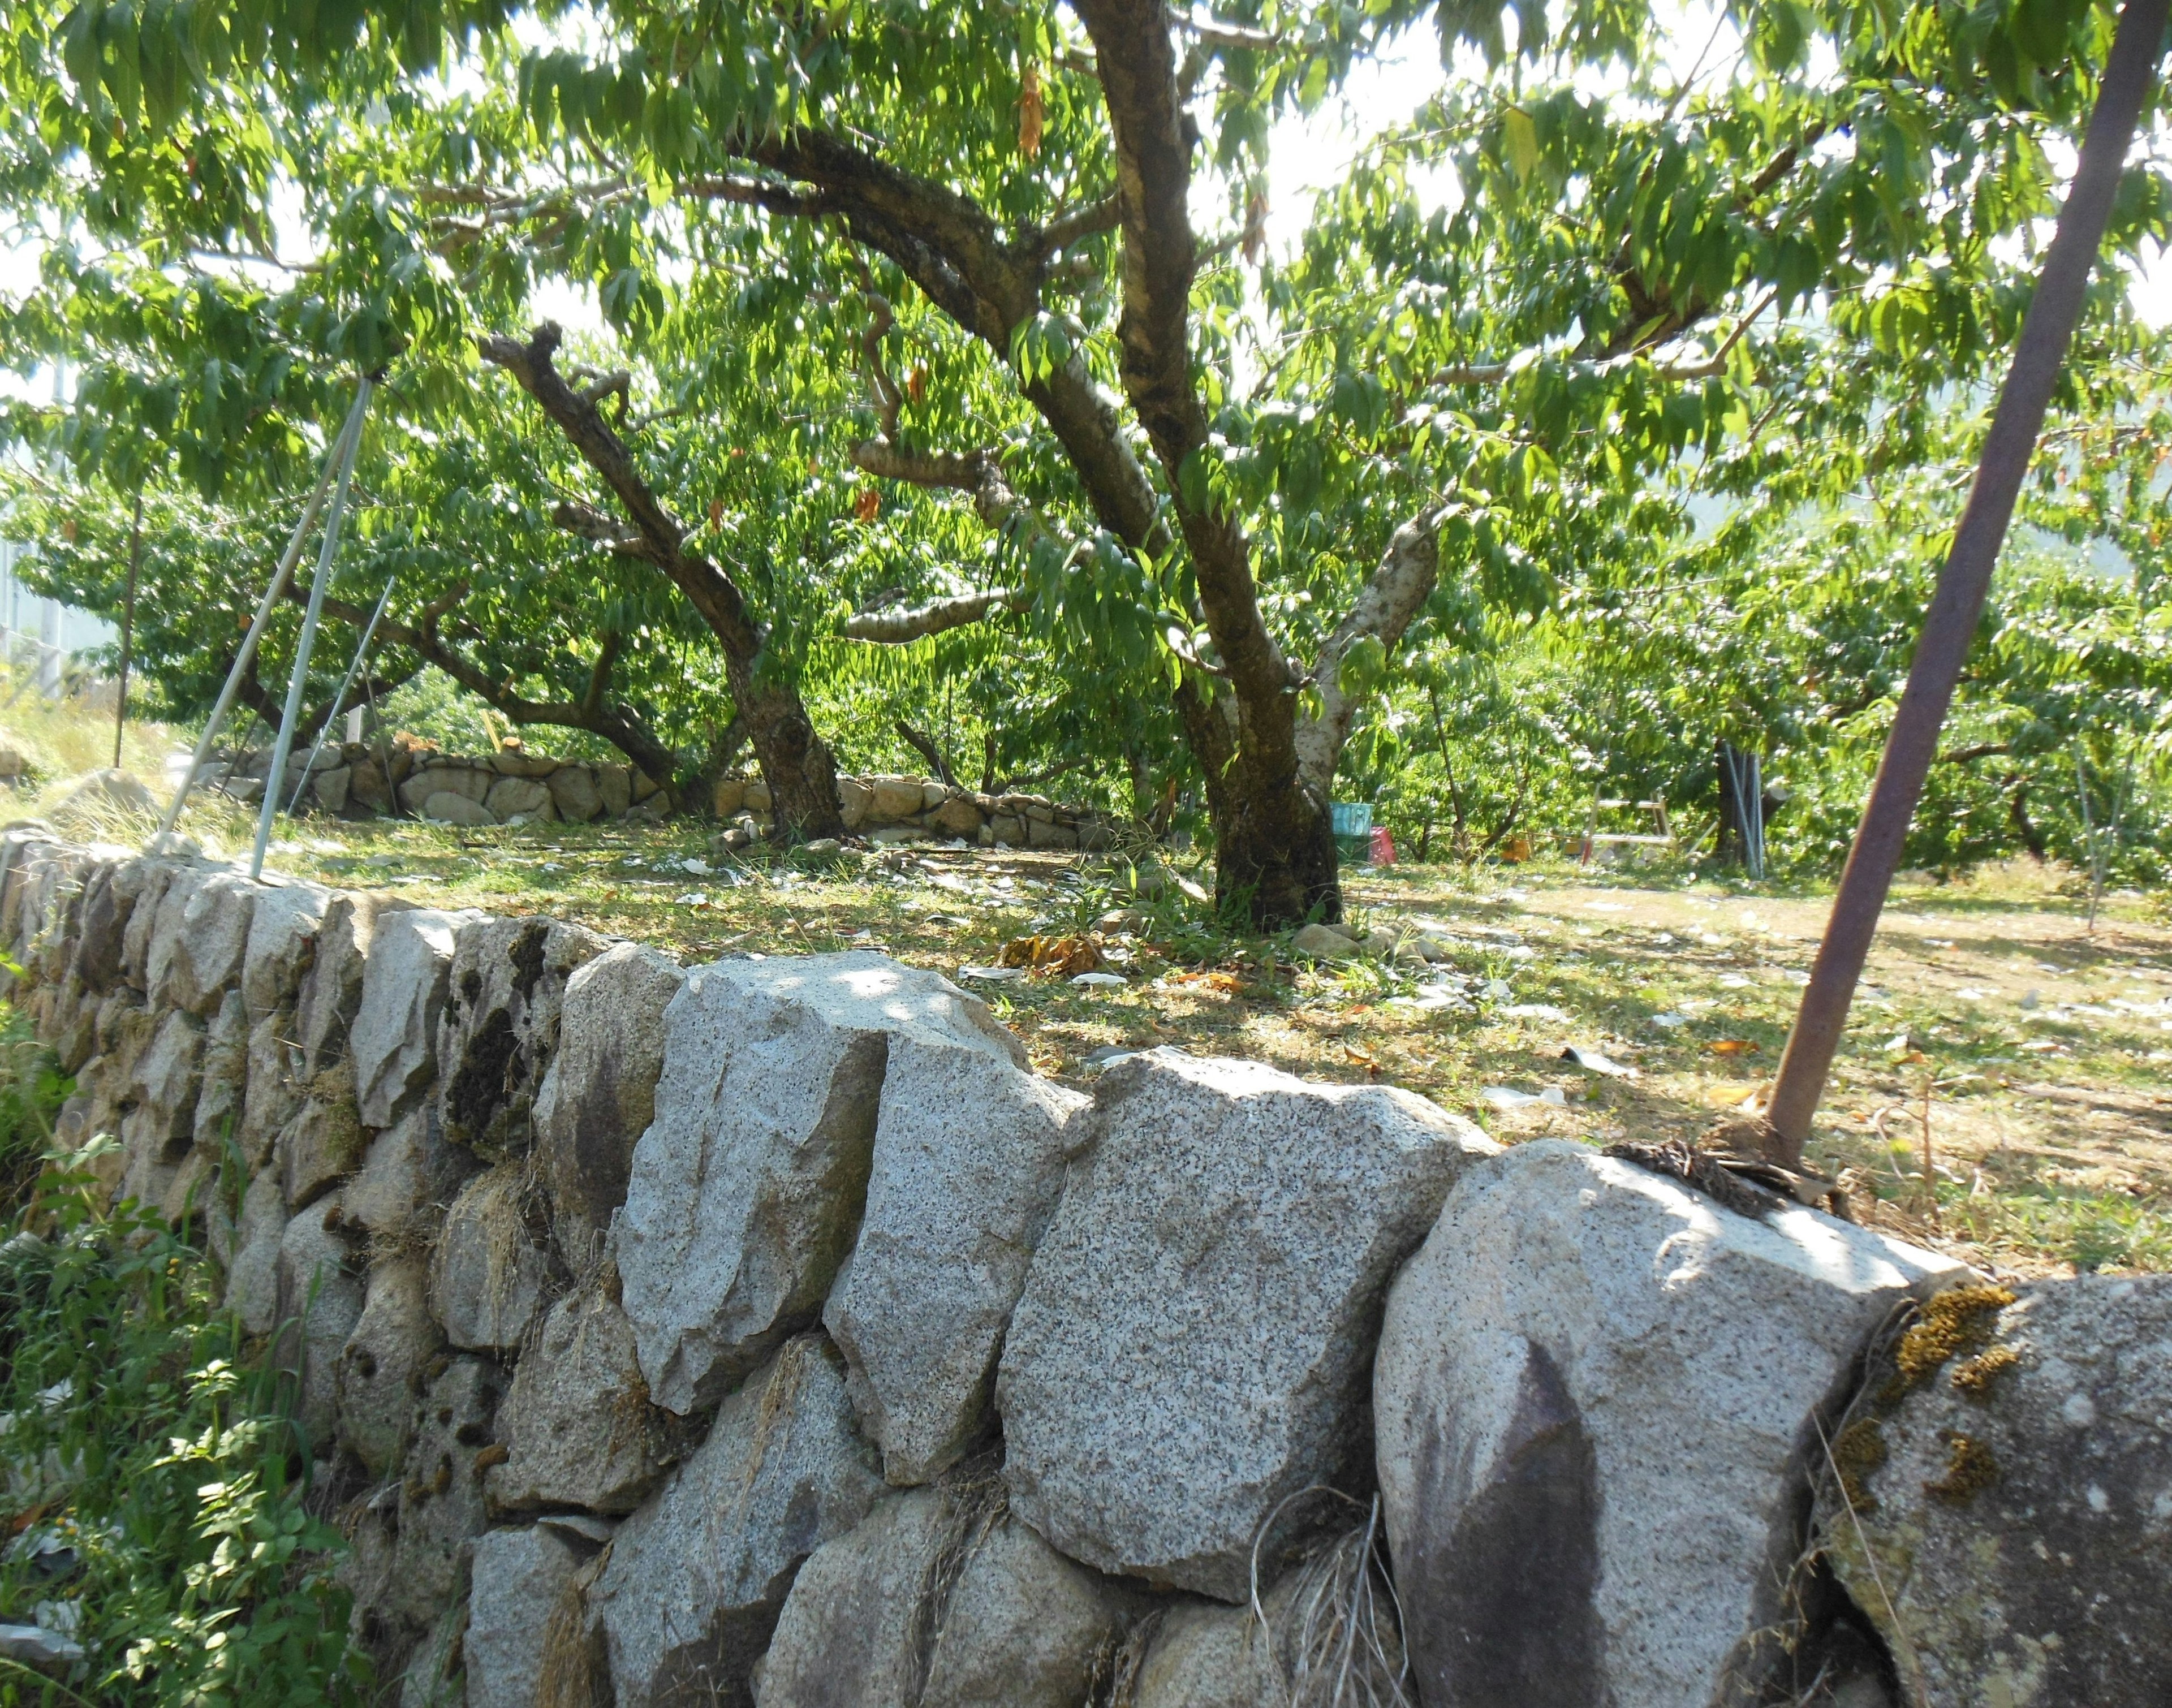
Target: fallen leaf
x=1732 y=1046
x=1058 y=957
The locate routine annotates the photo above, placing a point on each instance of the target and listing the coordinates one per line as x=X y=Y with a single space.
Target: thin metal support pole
x=128 y=625
x=339 y=699
x=2088 y=835
x=350 y=429
x=1957 y=606
x=300 y=680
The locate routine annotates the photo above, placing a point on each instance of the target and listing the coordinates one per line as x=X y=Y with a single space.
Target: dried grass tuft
x=1337 y=1637
x=575 y=1671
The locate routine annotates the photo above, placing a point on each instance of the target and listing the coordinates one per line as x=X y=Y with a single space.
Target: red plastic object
x=1384 y=847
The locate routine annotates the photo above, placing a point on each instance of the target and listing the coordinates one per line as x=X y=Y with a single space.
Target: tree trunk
x=1274 y=845
x=796 y=763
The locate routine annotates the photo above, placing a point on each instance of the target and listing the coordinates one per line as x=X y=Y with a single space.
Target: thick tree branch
x=1398 y=589
x=926 y=747
x=1133 y=45
x=619 y=725
x=713 y=592
x=896 y=625
x=588 y=523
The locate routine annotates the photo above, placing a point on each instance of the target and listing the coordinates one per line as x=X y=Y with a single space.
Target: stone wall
x=911 y=809
x=358 y=780
x=515 y=786
x=767 y=1332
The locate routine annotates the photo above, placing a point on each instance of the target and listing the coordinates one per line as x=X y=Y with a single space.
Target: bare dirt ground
x=2035 y=1048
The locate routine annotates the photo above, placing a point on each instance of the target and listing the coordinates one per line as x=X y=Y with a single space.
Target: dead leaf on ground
x=1054 y=957
x=1229 y=983
x=1732 y=1046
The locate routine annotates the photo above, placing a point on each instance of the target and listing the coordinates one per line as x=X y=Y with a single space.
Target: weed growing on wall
x=154 y=1484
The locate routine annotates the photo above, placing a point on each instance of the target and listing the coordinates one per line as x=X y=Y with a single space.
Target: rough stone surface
x=1022 y=1627
x=855 y=798
x=1594 y=1400
x=518 y=1577
x=163 y=1085
x=746 y=1190
x=958 y=817
x=320 y=1297
x=577 y=1423
x=102 y=926
x=331 y=989
x=252 y=1277
x=500 y=1025
x=441 y=1502
x=416 y=792
x=687 y=1603
x=1233 y=1229
x=615 y=783
x=224 y=1076
x=394 y=1040
x=894 y=799
x=969 y=1161
x=1204 y=1655
x=90 y=802
x=324 y=1143
x=599 y=1095
x=381 y=1367
x=2011 y=1472
x=935 y=1602
x=271 y=1094
x=141 y=883
x=1323 y=943
x=511 y=795
x=409 y=1177
x=848 y=1635
x=574 y=790
x=448 y=807
x=282 y=943
x=201 y=938
x=488 y=1273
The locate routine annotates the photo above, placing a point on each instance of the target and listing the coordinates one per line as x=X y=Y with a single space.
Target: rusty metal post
x=1957 y=607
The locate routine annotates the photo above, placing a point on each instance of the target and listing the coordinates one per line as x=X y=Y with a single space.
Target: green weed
x=156 y=1484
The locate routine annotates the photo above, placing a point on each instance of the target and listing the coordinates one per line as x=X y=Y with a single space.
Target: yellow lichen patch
x=1960 y=1320
x=1976 y=1376
x=1858 y=1450
x=1969 y=1470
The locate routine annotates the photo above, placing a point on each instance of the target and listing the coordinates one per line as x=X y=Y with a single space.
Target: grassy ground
x=2032 y=1047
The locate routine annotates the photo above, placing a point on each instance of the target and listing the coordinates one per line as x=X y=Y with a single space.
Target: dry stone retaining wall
x=767 y=1333
x=357 y=780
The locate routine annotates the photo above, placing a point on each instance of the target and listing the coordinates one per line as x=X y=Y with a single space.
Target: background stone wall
x=767 y=1332
x=356 y=780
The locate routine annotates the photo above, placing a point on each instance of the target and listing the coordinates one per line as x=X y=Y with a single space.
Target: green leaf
x=1520 y=139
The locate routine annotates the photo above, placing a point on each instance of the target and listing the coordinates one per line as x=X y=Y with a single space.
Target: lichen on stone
x=1858 y=1450
x=1978 y=1376
x=1969 y=1470
x=1958 y=1320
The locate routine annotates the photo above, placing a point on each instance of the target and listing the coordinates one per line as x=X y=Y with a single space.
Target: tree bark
x=796 y=763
